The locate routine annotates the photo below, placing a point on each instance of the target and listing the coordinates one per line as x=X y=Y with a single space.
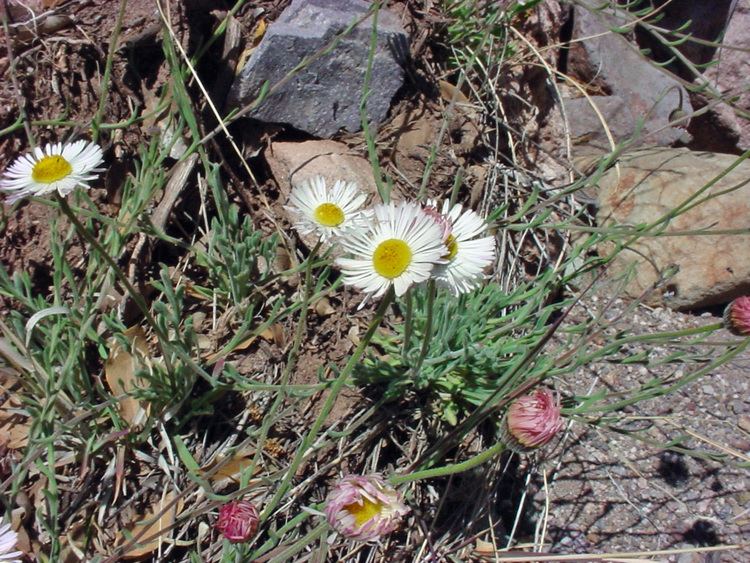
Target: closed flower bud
x=238 y=521
x=532 y=421
x=364 y=507
x=737 y=316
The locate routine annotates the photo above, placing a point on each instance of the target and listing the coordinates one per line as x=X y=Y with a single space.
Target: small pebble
x=738 y=407
x=739 y=443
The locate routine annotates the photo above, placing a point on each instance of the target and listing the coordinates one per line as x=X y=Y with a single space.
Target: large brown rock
x=647 y=187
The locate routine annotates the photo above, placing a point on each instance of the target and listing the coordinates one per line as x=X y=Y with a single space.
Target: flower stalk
x=333 y=393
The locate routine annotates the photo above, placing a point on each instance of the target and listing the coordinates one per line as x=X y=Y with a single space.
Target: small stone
x=739 y=443
x=738 y=407
x=708 y=389
x=744 y=422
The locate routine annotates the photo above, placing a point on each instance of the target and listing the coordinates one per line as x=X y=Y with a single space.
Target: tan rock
x=293 y=163
x=646 y=188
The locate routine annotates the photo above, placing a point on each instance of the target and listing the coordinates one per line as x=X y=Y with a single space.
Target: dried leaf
x=120 y=371
x=152 y=528
x=450 y=93
x=258 y=33
x=323 y=307
x=14 y=427
x=231 y=469
x=353 y=335
x=277 y=332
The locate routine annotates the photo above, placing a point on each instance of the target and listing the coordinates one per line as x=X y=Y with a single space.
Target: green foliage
x=477 y=340
x=238 y=256
x=476 y=25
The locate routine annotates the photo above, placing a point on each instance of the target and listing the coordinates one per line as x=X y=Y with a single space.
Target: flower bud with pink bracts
x=238 y=521
x=532 y=421
x=737 y=316
x=364 y=508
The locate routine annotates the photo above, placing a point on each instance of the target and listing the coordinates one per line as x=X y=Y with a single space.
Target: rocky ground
x=607 y=492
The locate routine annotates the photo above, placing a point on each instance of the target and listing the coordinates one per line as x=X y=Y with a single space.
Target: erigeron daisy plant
x=469 y=254
x=8 y=540
x=399 y=248
x=60 y=167
x=328 y=212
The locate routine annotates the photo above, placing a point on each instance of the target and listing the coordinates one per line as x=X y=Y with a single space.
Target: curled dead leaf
x=323 y=307
x=152 y=528
x=14 y=426
x=450 y=93
x=230 y=469
x=120 y=371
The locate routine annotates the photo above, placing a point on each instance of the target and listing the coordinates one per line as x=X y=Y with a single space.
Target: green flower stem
x=470 y=463
x=408 y=325
x=291 y=359
x=427 y=336
x=335 y=389
x=113 y=45
x=639 y=338
x=136 y=296
x=274 y=536
x=300 y=544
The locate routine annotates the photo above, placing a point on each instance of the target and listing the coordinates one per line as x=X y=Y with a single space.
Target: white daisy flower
x=400 y=248
x=60 y=167
x=467 y=255
x=8 y=540
x=327 y=212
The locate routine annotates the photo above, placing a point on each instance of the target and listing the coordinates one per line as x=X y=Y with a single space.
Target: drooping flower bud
x=737 y=316
x=532 y=420
x=238 y=521
x=364 y=507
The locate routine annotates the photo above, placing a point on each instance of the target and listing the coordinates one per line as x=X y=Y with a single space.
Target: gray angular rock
x=325 y=95
x=585 y=124
x=731 y=74
x=603 y=60
x=704 y=21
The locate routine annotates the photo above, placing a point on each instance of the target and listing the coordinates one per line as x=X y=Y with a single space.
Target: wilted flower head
x=61 y=167
x=8 y=540
x=238 y=521
x=323 y=210
x=737 y=316
x=532 y=420
x=364 y=507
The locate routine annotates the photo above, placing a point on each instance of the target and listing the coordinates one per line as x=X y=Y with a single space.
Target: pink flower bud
x=238 y=521
x=364 y=507
x=532 y=420
x=737 y=316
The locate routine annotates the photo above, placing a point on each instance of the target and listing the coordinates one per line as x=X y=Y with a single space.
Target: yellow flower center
x=329 y=214
x=452 y=244
x=364 y=512
x=391 y=258
x=51 y=169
